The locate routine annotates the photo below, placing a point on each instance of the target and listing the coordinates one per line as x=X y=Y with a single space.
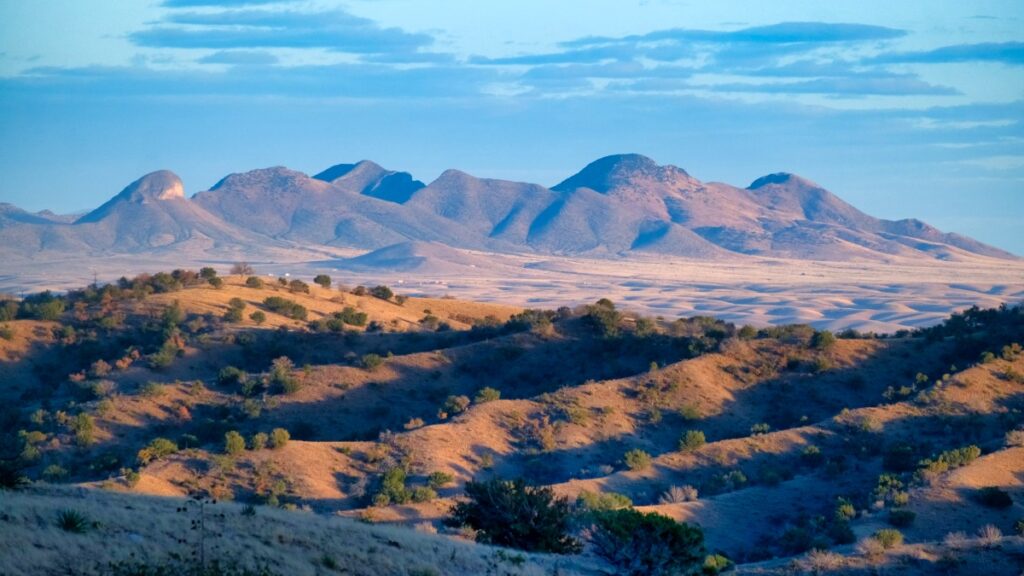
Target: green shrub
x=351 y=316
x=84 y=427
x=371 y=361
x=603 y=318
x=901 y=518
x=382 y=292
x=423 y=494
x=636 y=459
x=1018 y=527
x=279 y=437
x=285 y=307
x=231 y=376
x=439 y=479
x=647 y=544
x=156 y=449
x=487 y=394
x=323 y=280
x=258 y=441
x=217 y=283
x=455 y=404
x=598 y=501
x=759 y=429
x=281 y=377
x=392 y=486
x=692 y=440
x=234 y=443
x=298 y=286
x=54 y=472
x=889 y=538
x=254 y=282
x=6 y=332
x=811 y=456
x=993 y=497
x=823 y=340
x=258 y=317
x=513 y=514
x=73 y=521
x=716 y=563
x=8 y=310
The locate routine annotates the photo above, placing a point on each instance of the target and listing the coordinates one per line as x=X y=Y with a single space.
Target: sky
x=904 y=109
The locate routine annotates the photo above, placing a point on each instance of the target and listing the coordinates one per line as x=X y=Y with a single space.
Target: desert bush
x=715 y=563
x=889 y=538
x=359 y=291
x=993 y=497
x=231 y=376
x=84 y=428
x=371 y=361
x=823 y=340
x=989 y=535
x=901 y=518
x=156 y=449
x=216 y=282
x=258 y=317
x=948 y=460
x=636 y=459
x=298 y=287
x=821 y=562
x=1015 y=438
x=845 y=510
x=259 y=441
x=54 y=472
x=285 y=307
x=647 y=544
x=439 y=479
x=811 y=456
x=603 y=318
x=513 y=514
x=382 y=292
x=234 y=443
x=323 y=280
x=152 y=390
x=1018 y=527
x=692 y=440
x=455 y=405
x=6 y=332
x=597 y=501
x=254 y=282
x=487 y=394
x=423 y=494
x=392 y=488
x=678 y=494
x=279 y=437
x=281 y=377
x=414 y=423
x=73 y=521
x=690 y=412
x=760 y=428
x=870 y=548
x=8 y=310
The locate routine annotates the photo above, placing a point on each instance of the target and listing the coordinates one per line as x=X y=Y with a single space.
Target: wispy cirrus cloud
x=334 y=30
x=217 y=3
x=1002 y=52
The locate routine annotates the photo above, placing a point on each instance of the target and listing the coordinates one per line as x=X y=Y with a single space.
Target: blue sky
x=905 y=109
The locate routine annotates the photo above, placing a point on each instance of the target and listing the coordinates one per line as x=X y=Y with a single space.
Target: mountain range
x=614 y=207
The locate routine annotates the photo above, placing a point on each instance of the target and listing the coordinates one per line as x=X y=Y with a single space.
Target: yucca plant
x=73 y=521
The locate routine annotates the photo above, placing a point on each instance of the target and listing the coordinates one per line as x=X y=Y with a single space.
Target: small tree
x=510 y=513
x=382 y=292
x=234 y=443
x=258 y=317
x=455 y=404
x=323 y=280
x=254 y=282
x=823 y=340
x=372 y=361
x=647 y=544
x=241 y=269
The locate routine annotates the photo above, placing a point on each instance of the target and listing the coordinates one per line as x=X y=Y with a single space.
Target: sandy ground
x=870 y=296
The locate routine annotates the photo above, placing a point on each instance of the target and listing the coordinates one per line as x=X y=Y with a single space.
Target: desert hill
x=806 y=440
x=615 y=207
